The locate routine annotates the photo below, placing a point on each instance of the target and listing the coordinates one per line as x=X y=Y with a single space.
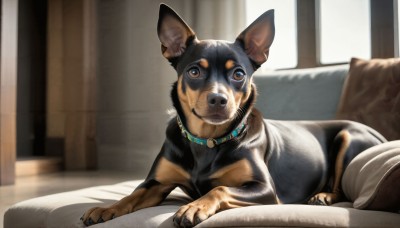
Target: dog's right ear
x=257 y=38
x=173 y=33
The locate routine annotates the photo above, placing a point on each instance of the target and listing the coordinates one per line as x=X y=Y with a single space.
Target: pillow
x=372 y=179
x=371 y=95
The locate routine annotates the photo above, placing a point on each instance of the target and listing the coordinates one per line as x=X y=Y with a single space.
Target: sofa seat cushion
x=65 y=209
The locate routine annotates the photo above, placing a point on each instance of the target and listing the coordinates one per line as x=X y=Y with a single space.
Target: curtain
x=215 y=19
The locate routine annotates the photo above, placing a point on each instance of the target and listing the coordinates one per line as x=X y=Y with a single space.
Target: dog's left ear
x=257 y=38
x=173 y=33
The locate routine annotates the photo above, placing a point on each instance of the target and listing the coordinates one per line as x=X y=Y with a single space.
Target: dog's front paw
x=324 y=198
x=100 y=215
x=194 y=213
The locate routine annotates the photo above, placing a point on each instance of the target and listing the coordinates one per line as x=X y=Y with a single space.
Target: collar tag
x=211 y=143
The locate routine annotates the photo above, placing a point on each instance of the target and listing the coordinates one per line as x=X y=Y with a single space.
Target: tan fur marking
x=251 y=88
x=181 y=95
x=202 y=129
x=193 y=97
x=169 y=173
x=153 y=196
x=339 y=160
x=140 y=198
x=336 y=194
x=234 y=175
x=239 y=99
x=229 y=64
x=218 y=199
x=204 y=63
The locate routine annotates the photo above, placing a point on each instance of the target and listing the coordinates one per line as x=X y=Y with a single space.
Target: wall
x=217 y=19
x=134 y=81
x=55 y=119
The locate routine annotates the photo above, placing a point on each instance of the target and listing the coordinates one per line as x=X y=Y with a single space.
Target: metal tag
x=210 y=143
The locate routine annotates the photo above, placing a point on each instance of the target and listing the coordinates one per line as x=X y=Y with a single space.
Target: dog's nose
x=216 y=100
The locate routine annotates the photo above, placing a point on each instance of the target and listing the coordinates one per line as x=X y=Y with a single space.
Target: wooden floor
x=34 y=186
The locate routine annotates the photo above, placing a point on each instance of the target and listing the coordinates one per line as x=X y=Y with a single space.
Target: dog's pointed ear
x=257 y=38
x=173 y=32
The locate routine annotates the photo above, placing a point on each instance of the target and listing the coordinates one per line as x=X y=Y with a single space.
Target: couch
x=371 y=182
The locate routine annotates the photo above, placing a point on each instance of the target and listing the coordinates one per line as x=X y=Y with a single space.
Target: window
x=344 y=30
x=283 y=52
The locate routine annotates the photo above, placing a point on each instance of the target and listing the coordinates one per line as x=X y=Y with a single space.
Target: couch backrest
x=301 y=94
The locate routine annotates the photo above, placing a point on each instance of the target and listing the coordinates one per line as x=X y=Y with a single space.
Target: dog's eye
x=238 y=75
x=194 y=72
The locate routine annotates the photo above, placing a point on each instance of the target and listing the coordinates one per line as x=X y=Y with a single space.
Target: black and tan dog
x=220 y=150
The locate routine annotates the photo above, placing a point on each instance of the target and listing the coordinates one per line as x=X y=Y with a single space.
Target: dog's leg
x=149 y=193
x=222 y=198
x=325 y=198
x=164 y=176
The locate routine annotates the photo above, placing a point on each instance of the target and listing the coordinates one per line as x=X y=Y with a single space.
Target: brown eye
x=238 y=75
x=194 y=72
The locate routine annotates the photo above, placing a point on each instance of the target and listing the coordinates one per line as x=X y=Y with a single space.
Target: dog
x=219 y=149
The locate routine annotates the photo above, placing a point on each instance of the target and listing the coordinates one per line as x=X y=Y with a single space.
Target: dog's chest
x=201 y=169
x=214 y=167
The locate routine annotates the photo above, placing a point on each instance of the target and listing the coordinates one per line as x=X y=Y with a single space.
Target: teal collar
x=210 y=142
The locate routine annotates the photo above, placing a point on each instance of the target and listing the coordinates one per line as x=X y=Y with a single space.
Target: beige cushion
x=65 y=209
x=372 y=179
x=371 y=95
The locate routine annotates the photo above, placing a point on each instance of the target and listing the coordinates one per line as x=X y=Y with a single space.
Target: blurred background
x=84 y=85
